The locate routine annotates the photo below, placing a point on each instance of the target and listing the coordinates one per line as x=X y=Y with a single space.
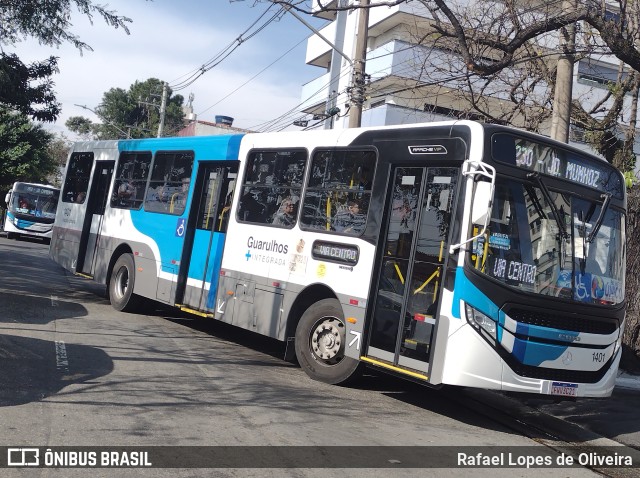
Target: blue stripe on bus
x=216 y=251
x=547 y=333
x=534 y=353
x=529 y=353
x=20 y=223
x=464 y=288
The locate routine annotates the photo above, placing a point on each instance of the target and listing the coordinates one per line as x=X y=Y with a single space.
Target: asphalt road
x=74 y=372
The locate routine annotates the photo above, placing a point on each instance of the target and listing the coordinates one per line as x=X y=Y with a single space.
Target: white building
x=396 y=65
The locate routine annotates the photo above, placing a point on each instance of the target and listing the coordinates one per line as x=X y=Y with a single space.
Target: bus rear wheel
x=121 y=284
x=320 y=344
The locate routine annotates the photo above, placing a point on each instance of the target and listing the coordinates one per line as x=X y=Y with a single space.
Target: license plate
x=564 y=389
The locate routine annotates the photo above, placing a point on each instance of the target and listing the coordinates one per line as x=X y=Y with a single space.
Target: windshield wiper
x=600 y=220
x=554 y=210
x=535 y=201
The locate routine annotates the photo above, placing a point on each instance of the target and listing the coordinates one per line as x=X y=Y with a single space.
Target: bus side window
x=339 y=191
x=131 y=178
x=271 y=179
x=169 y=185
x=78 y=173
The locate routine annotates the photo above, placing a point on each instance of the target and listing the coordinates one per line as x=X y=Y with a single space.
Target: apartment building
x=412 y=80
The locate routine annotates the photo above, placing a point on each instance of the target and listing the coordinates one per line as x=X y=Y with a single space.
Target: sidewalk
x=628 y=381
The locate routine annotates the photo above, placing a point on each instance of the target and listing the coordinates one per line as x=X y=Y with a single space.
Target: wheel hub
x=326 y=339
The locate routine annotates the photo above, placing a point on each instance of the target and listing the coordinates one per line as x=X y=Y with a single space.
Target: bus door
x=96 y=203
x=409 y=283
x=208 y=219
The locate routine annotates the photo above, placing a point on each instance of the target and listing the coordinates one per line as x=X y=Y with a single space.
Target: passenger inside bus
x=286 y=215
x=350 y=219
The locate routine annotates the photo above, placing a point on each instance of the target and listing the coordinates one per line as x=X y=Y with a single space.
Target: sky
x=170 y=40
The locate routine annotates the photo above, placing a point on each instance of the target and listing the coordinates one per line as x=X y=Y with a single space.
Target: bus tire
x=320 y=344
x=11 y=235
x=121 y=284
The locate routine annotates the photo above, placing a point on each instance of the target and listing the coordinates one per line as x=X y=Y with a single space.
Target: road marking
x=54 y=301
x=62 y=361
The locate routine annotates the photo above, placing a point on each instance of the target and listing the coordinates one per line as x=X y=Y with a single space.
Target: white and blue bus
x=31 y=210
x=448 y=253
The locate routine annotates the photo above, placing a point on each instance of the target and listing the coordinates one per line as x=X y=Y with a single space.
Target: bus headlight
x=481 y=321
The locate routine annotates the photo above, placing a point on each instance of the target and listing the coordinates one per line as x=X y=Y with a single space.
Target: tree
x=58 y=150
x=134 y=113
x=28 y=88
x=80 y=125
x=24 y=155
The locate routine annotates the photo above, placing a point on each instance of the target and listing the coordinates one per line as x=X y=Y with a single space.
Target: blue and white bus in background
x=31 y=210
x=447 y=253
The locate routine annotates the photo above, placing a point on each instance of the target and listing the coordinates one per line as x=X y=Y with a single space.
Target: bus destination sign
x=334 y=252
x=545 y=159
x=40 y=191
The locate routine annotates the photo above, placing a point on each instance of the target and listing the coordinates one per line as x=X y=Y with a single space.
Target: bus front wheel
x=121 y=284
x=320 y=344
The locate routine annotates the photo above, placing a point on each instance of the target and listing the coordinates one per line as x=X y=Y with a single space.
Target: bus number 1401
x=599 y=356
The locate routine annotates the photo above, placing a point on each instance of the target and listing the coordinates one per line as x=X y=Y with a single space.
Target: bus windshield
x=34 y=201
x=554 y=244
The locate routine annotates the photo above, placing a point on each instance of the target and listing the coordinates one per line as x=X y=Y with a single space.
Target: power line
x=277 y=122
x=223 y=54
x=255 y=76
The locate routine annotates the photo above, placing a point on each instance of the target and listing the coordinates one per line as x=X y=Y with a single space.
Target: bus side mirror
x=482 y=202
x=6 y=198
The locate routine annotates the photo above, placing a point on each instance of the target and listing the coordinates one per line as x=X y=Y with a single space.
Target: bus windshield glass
x=554 y=244
x=34 y=201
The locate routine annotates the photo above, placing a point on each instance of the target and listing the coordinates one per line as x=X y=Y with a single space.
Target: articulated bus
x=31 y=210
x=451 y=253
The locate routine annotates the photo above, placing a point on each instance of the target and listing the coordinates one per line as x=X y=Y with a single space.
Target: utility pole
x=561 y=114
x=358 y=81
x=336 y=63
x=336 y=68
x=163 y=107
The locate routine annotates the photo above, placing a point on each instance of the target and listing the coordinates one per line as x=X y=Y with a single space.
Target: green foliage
x=28 y=88
x=49 y=21
x=133 y=113
x=24 y=154
x=80 y=125
x=630 y=179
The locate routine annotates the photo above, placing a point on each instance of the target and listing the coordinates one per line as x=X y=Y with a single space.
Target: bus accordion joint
x=458 y=186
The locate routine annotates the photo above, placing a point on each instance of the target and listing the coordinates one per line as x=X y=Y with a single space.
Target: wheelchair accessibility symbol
x=180 y=227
